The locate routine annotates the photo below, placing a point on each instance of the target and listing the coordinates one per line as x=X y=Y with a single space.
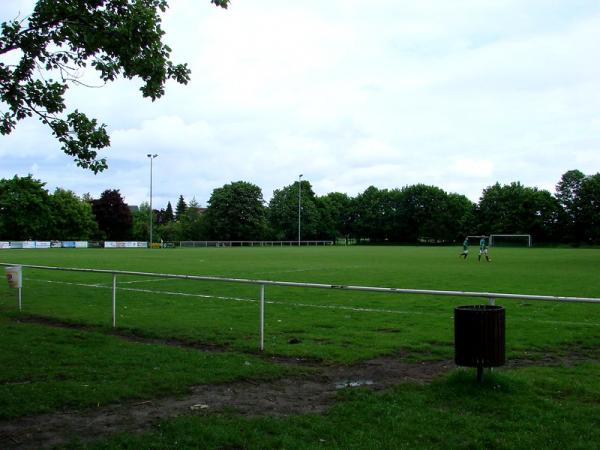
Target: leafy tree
x=516 y=209
x=418 y=213
x=369 y=213
x=335 y=215
x=71 y=217
x=424 y=214
x=59 y=39
x=236 y=211
x=568 y=195
x=283 y=212
x=192 y=225
x=113 y=215
x=169 y=232
x=169 y=217
x=140 y=230
x=24 y=209
x=567 y=189
x=587 y=206
x=461 y=217
x=180 y=208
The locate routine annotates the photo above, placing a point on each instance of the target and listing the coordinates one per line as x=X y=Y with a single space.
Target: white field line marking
x=303 y=305
x=239 y=299
x=312 y=269
x=284 y=271
x=147 y=280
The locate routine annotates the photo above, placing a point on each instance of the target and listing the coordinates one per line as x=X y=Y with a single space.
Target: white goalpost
x=510 y=239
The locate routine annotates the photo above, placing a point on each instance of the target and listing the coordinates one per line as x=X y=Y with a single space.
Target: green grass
x=523 y=409
x=331 y=325
x=45 y=368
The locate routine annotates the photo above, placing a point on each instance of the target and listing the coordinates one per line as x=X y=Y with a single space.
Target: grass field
x=52 y=368
x=337 y=326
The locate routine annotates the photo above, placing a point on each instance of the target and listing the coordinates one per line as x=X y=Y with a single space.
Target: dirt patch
x=287 y=396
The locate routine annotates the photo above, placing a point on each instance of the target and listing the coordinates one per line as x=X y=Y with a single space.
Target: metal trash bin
x=479 y=337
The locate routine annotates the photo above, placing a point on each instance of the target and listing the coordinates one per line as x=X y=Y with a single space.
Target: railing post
x=20 y=303
x=262 y=317
x=491 y=301
x=114 y=301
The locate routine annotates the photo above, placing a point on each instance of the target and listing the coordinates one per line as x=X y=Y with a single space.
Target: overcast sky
x=350 y=93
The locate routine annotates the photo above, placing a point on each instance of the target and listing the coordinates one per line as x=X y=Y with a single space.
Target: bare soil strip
x=287 y=396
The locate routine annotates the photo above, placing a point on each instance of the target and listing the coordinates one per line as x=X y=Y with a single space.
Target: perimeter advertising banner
x=125 y=244
x=4 y=244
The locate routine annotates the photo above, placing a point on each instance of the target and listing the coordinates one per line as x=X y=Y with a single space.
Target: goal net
x=510 y=240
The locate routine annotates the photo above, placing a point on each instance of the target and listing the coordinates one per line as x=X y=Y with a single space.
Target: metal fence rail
x=227 y=243
x=490 y=296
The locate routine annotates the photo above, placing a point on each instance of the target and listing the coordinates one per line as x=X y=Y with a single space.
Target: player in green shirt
x=465 y=251
x=483 y=250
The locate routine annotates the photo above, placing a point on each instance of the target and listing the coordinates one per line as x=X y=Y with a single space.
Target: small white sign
x=14 y=277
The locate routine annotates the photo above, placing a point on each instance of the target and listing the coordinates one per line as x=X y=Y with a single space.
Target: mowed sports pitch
x=330 y=325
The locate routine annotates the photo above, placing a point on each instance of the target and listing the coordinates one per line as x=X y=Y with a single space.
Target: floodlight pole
x=151 y=159
x=299 y=203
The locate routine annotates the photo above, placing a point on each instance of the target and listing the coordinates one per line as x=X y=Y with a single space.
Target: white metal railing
x=227 y=243
x=490 y=296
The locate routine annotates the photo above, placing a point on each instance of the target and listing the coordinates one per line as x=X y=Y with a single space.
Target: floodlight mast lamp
x=299 y=203
x=151 y=159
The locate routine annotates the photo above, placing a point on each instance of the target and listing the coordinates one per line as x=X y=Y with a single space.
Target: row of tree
x=237 y=211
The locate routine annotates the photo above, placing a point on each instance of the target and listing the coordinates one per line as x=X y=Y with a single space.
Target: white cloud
x=386 y=93
x=473 y=168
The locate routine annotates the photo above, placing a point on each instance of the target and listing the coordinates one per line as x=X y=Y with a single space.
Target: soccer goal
x=510 y=240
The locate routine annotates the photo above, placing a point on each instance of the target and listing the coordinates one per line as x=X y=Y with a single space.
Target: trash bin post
x=479 y=337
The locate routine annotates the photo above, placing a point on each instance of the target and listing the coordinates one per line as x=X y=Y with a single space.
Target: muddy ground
x=313 y=393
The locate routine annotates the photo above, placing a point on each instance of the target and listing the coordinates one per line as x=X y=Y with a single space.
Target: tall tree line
x=237 y=211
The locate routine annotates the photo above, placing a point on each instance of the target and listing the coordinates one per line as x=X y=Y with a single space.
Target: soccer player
x=483 y=250
x=465 y=251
